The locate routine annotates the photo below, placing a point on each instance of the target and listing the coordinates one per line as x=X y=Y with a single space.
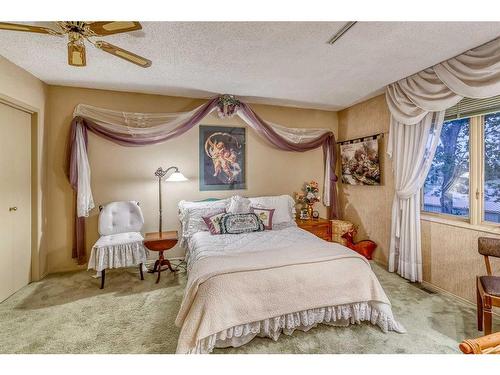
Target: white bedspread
x=204 y=244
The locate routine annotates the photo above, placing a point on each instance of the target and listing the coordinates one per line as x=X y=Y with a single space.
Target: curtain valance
x=474 y=74
x=141 y=129
x=417 y=105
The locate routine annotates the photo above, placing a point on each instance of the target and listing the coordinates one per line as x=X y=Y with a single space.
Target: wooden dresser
x=319 y=227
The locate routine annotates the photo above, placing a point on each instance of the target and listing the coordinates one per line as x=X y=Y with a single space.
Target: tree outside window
x=491 y=200
x=446 y=189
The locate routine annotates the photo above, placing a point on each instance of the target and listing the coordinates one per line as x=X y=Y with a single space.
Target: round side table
x=161 y=242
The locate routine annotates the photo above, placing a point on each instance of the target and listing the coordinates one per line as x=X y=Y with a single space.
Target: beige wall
x=121 y=173
x=369 y=207
x=450 y=258
x=20 y=88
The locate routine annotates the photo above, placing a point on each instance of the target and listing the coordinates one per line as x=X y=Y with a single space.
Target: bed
x=270 y=282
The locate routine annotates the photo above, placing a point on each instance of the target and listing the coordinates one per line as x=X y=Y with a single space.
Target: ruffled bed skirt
x=117 y=256
x=304 y=320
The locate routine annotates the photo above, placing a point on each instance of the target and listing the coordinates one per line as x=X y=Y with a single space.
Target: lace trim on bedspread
x=273 y=327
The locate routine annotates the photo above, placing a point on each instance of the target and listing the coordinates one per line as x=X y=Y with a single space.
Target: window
x=491 y=202
x=446 y=189
x=464 y=178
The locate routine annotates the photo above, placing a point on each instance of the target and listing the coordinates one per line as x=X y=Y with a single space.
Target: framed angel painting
x=222 y=158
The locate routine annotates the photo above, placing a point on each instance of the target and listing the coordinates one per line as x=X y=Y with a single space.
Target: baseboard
x=439 y=290
x=436 y=289
x=74 y=268
x=379 y=263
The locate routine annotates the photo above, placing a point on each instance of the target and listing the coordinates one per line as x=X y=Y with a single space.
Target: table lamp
x=176 y=176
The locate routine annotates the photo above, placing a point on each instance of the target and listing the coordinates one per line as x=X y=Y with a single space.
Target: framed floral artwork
x=222 y=158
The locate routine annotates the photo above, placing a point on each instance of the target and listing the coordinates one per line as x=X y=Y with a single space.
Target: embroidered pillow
x=213 y=222
x=265 y=215
x=241 y=223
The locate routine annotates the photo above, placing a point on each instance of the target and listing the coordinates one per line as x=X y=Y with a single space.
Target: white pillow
x=191 y=216
x=283 y=205
x=238 y=205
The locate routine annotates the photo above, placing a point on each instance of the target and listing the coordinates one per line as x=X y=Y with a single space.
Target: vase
x=310 y=210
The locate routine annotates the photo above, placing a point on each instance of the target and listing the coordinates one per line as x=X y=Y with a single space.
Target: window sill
x=493 y=229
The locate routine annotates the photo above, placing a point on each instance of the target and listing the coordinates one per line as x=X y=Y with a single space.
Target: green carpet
x=68 y=313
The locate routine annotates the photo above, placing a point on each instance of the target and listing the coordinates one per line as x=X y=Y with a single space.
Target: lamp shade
x=176 y=177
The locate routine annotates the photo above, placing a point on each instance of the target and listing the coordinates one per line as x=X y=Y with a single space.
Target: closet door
x=15 y=200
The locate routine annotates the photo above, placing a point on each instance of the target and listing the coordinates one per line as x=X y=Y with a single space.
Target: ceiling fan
x=80 y=31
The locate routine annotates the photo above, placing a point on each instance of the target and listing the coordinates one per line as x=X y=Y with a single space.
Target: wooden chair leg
x=140 y=270
x=479 y=311
x=487 y=321
x=103 y=276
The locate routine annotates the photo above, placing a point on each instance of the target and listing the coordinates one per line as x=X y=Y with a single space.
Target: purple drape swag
x=327 y=141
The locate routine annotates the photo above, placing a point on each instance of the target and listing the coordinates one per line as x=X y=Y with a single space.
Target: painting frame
x=227 y=169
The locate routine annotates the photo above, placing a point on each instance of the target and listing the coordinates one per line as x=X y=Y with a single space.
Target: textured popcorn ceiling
x=270 y=62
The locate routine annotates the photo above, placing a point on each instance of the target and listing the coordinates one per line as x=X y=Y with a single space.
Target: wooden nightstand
x=319 y=227
x=161 y=242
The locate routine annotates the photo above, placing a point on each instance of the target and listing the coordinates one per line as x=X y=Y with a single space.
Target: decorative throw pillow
x=241 y=223
x=213 y=222
x=265 y=215
x=238 y=205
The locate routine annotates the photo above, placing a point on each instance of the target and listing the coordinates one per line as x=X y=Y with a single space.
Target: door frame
x=37 y=248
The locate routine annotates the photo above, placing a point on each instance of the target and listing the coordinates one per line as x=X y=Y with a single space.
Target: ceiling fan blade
x=124 y=54
x=28 y=28
x=114 y=27
x=76 y=54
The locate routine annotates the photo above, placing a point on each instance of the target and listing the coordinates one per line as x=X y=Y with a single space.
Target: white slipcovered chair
x=121 y=242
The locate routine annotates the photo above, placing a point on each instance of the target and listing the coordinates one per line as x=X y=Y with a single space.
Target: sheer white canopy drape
x=158 y=126
x=417 y=105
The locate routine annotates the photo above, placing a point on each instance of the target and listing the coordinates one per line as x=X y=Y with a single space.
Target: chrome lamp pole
x=176 y=176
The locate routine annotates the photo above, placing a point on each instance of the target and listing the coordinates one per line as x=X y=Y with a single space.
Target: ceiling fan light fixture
x=79 y=31
x=76 y=53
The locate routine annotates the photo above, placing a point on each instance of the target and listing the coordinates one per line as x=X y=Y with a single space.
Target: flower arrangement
x=310 y=194
x=227 y=105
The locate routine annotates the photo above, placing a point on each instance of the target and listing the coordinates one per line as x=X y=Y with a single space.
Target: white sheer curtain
x=417 y=104
x=412 y=149
x=84 y=198
x=134 y=123
x=160 y=125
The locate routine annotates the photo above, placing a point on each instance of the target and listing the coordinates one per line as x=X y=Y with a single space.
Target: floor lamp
x=176 y=176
